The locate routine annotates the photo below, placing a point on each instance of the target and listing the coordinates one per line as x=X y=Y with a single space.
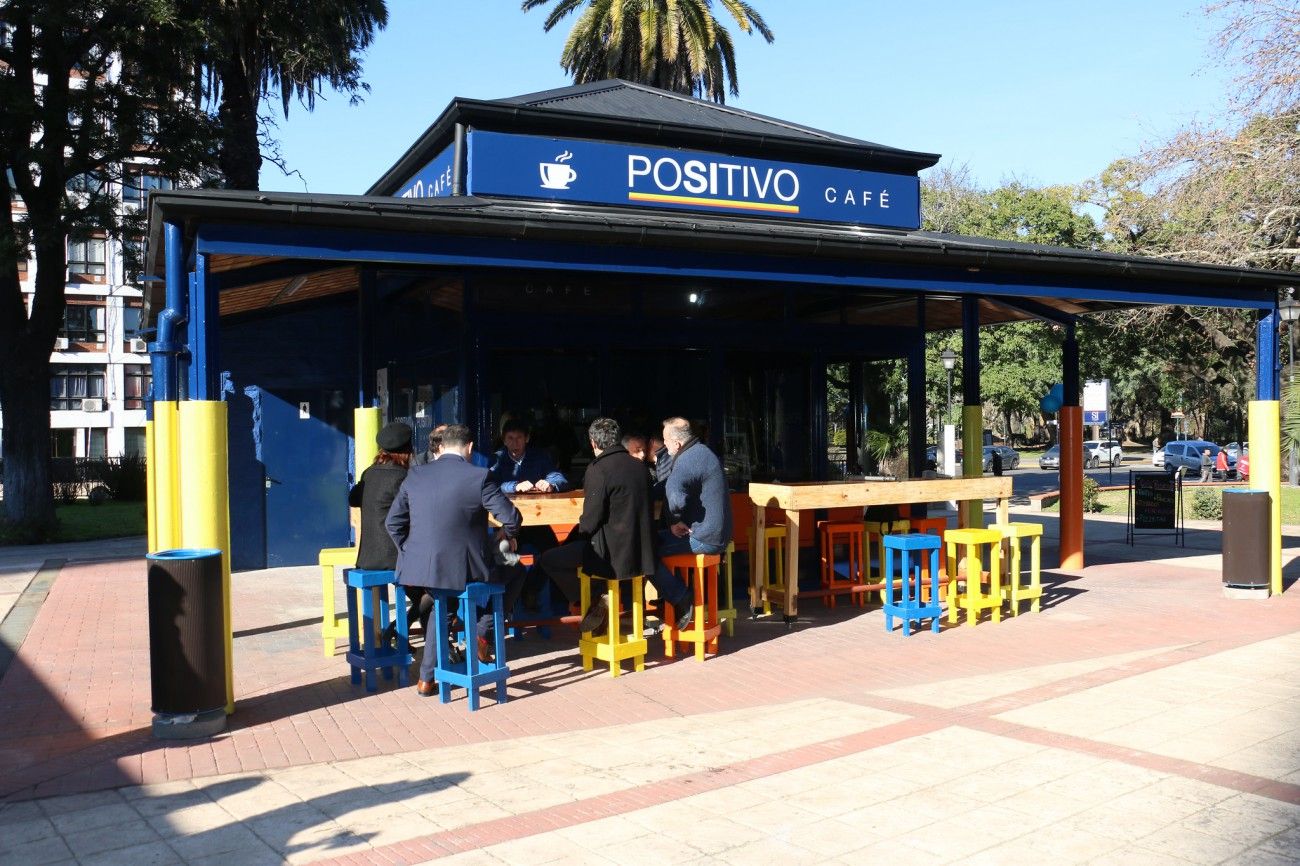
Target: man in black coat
x=615 y=537
x=439 y=523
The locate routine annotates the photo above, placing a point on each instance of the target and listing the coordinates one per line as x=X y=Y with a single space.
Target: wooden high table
x=806 y=496
x=548 y=509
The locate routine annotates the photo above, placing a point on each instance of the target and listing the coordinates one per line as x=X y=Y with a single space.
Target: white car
x=1105 y=450
x=1158 y=458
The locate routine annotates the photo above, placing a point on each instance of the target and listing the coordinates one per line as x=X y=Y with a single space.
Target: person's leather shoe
x=424 y=689
x=485 y=651
x=685 y=614
x=597 y=615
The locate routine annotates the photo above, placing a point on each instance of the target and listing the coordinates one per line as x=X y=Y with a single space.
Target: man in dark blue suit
x=439 y=523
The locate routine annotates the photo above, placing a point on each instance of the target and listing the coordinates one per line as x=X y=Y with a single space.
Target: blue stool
x=471 y=673
x=909 y=606
x=365 y=652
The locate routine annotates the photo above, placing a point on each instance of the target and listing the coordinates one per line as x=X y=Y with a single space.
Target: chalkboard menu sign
x=1155 y=499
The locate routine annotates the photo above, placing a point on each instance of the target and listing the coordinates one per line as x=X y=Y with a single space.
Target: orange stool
x=974 y=599
x=850 y=578
x=932 y=526
x=700 y=572
x=876 y=532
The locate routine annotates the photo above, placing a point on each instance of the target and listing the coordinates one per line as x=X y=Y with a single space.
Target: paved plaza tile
x=1139 y=718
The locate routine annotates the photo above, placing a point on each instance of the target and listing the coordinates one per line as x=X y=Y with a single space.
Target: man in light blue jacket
x=698 y=505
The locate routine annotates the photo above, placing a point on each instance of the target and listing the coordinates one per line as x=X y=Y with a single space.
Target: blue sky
x=1045 y=92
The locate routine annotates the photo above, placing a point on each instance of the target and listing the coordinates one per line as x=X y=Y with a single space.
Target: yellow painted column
x=972 y=460
x=166 y=514
x=150 y=480
x=1070 y=433
x=205 y=509
x=365 y=426
x=1264 y=418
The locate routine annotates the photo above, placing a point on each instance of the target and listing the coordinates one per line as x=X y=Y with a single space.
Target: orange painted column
x=1070 y=421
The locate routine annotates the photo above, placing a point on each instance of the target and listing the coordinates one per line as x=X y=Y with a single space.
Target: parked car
x=1234 y=451
x=1186 y=454
x=1158 y=458
x=1051 y=459
x=1107 y=450
x=1010 y=457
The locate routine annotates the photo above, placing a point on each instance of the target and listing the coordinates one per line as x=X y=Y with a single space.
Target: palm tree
x=675 y=45
x=261 y=49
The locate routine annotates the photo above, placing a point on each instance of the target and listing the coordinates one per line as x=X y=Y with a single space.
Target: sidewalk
x=1139 y=718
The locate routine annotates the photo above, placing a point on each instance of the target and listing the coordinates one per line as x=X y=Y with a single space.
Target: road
x=1029 y=480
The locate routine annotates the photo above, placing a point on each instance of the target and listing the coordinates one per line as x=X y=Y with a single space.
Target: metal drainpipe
x=458 y=162
x=164 y=350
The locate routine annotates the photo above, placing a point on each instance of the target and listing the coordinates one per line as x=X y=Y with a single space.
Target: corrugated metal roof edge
x=544 y=221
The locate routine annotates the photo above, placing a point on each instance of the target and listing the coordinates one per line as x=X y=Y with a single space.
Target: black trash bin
x=1247 y=525
x=187 y=642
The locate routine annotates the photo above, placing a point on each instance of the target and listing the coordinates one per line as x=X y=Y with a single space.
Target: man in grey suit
x=439 y=523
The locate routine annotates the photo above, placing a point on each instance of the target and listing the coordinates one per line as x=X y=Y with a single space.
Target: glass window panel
x=133 y=446
x=97 y=442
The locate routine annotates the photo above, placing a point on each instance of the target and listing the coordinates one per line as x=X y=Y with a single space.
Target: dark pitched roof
x=619 y=110
x=618 y=98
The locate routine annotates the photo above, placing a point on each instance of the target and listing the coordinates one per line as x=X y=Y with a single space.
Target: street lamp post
x=949 y=359
x=1289 y=311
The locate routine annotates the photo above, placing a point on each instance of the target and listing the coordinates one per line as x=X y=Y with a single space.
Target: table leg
x=1003 y=511
x=791 y=565
x=757 y=560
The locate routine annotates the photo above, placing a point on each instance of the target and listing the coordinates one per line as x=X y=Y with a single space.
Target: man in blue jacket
x=698 y=506
x=439 y=523
x=520 y=469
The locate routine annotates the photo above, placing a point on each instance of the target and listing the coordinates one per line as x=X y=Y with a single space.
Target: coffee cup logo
x=557 y=175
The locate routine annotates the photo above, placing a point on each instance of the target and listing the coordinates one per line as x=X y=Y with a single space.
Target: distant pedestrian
x=1243 y=464
x=1221 y=465
x=996 y=462
x=1207 y=465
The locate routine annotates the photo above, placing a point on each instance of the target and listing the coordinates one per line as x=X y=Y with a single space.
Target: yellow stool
x=332 y=626
x=700 y=573
x=728 y=614
x=613 y=646
x=774 y=543
x=1015 y=591
x=975 y=599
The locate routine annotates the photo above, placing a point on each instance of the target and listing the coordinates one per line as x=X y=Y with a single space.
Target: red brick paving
x=76 y=700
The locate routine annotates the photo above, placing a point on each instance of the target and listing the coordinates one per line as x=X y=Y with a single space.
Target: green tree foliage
x=85 y=87
x=1019 y=361
x=675 y=45
x=276 y=50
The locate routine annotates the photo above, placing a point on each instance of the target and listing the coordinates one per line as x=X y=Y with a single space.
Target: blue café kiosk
x=602 y=249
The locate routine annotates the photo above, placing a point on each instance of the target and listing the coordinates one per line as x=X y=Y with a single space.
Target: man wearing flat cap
x=439 y=523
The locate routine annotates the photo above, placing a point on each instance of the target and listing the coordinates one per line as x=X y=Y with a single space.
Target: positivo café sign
x=521 y=166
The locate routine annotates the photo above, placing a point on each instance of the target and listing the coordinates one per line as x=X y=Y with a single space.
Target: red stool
x=849 y=577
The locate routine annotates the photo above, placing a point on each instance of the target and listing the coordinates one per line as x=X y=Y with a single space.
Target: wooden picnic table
x=806 y=496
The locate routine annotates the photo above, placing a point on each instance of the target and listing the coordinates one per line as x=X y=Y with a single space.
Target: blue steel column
x=916 y=408
x=165 y=347
x=1267 y=359
x=366 y=338
x=817 y=413
x=203 y=362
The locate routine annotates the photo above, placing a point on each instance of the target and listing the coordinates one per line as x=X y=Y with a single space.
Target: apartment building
x=99 y=376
